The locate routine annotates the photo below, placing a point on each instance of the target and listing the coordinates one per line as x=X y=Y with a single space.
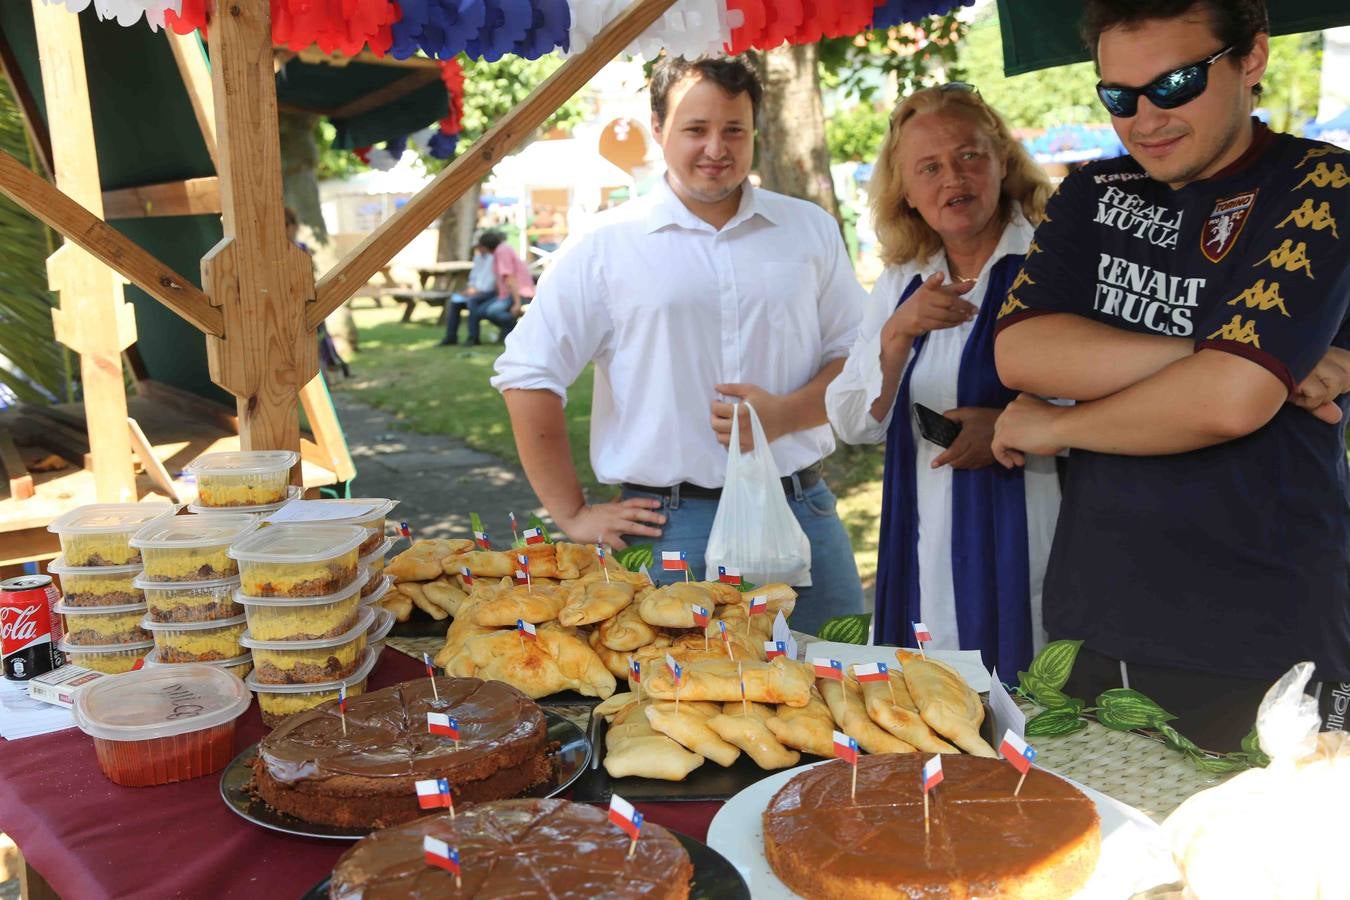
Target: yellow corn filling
x=108 y=628
x=278 y=579
x=289 y=704
x=209 y=643
x=98 y=586
x=346 y=655
x=107 y=663
x=99 y=549
x=241 y=490
x=288 y=623
x=186 y=563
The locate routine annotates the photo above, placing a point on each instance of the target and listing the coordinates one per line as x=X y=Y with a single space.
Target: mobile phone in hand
x=935 y=427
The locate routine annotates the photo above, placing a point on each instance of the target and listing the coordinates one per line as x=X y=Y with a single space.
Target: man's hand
x=932 y=307
x=1317 y=393
x=1026 y=426
x=606 y=522
x=971 y=449
x=772 y=410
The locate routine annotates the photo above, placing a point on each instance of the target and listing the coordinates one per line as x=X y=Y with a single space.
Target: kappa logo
x=1317 y=218
x=1258 y=296
x=1238 y=331
x=1318 y=153
x=1225 y=224
x=1021 y=279
x=1010 y=306
x=1289 y=257
x=1033 y=248
x=1325 y=176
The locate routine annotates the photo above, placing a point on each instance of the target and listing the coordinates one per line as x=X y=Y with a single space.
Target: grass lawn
x=444 y=390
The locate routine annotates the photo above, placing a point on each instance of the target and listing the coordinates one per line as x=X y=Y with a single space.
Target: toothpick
x=853 y=790
x=677 y=696
x=925 y=812
x=745 y=707
x=632 y=847
x=458 y=884
x=891 y=686
x=1018 y=789
x=705 y=638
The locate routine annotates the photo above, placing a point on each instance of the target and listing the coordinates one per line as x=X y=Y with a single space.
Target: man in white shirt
x=703 y=292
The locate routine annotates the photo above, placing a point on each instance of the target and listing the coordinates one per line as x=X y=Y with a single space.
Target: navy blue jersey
x=1232 y=559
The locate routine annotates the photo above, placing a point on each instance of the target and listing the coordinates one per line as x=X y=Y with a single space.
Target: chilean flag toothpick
x=921 y=637
x=846 y=748
x=526 y=631
x=675 y=561
x=523 y=560
x=434 y=793
x=431 y=673
x=773 y=649
x=932 y=777
x=443 y=724
x=759 y=603
x=728 y=574
x=726 y=638
x=436 y=852
x=342 y=706
x=600 y=554
x=629 y=820
x=1019 y=753
x=481 y=539
x=828 y=668
x=533 y=535
x=515 y=535
x=466 y=576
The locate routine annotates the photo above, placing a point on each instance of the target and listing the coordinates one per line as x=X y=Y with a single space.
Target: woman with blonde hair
x=963 y=543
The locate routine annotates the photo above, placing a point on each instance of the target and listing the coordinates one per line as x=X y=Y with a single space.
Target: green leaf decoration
x=1055 y=722
x=1175 y=739
x=1130 y=709
x=1052 y=665
x=1220 y=765
x=476 y=523
x=1251 y=746
x=635 y=557
x=536 y=522
x=746 y=587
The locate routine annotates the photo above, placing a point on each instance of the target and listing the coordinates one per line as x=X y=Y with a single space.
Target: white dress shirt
x=849 y=400
x=668 y=307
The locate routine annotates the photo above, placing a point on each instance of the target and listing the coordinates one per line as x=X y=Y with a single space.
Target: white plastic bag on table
x=755 y=530
x=1276 y=833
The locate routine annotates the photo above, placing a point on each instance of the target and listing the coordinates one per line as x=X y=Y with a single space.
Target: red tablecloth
x=91 y=838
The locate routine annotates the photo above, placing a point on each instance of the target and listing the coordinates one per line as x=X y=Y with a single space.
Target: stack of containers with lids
x=189 y=583
x=98 y=568
x=243 y=481
x=300 y=586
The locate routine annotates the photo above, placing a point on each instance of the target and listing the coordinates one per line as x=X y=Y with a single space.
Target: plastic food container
x=192 y=548
x=298 y=560
x=98 y=534
x=162 y=725
x=242 y=477
x=371 y=513
x=293 y=492
x=375 y=562
x=97 y=585
x=239 y=666
x=277 y=701
x=284 y=619
x=183 y=642
x=379 y=630
x=381 y=588
x=101 y=626
x=309 y=662
x=110 y=659
x=191 y=601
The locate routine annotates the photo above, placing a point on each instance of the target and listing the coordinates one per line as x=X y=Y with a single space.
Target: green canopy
x=1039 y=34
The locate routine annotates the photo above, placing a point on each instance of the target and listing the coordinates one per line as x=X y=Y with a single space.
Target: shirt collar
x=668 y=209
x=1016 y=238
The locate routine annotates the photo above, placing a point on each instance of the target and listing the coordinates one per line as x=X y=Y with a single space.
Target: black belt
x=808 y=478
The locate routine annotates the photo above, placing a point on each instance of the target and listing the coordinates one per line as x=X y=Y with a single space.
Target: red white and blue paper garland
x=124 y=12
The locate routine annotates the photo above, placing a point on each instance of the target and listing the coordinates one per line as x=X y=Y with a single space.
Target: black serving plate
x=573 y=755
x=708 y=782
x=714 y=877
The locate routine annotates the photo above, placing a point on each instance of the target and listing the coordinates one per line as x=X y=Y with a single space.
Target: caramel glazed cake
x=984 y=842
x=518 y=849
x=309 y=769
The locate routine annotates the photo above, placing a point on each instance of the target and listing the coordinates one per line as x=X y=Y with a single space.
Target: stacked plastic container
x=300 y=587
x=189 y=583
x=243 y=481
x=98 y=568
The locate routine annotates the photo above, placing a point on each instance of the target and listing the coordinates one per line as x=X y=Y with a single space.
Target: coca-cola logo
x=18 y=624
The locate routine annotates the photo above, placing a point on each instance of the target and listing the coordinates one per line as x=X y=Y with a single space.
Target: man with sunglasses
x=1192 y=297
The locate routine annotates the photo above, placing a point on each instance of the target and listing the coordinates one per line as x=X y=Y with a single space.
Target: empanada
x=594 y=601
x=634 y=748
x=672 y=605
x=900 y=718
x=846 y=707
x=557 y=660
x=945 y=701
x=626 y=632
x=689 y=728
x=744 y=727
x=809 y=728
x=780 y=681
x=413 y=591
x=535 y=604
x=422 y=561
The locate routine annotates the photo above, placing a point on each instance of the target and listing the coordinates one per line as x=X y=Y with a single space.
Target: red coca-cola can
x=29 y=627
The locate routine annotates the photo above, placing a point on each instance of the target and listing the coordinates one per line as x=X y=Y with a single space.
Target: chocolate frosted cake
x=518 y=849
x=983 y=841
x=309 y=769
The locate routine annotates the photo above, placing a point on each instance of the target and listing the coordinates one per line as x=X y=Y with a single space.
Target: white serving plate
x=1133 y=856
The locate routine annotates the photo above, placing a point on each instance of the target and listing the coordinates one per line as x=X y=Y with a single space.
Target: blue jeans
x=835 y=587
x=496 y=310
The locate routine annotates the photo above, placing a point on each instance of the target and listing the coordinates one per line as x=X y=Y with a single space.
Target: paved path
x=438 y=479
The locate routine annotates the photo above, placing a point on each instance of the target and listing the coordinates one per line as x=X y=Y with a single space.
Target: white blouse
x=849 y=400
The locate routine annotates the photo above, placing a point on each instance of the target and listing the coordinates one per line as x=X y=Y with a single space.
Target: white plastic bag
x=755 y=530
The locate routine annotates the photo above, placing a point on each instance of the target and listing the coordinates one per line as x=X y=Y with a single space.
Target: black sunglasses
x=1167 y=91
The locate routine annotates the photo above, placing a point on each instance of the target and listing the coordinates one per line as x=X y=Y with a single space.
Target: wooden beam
x=38 y=136
x=394 y=90
x=260 y=280
x=323 y=421
x=373 y=253
x=20 y=482
x=150 y=462
x=93 y=319
x=193 y=197
x=108 y=245
x=187 y=52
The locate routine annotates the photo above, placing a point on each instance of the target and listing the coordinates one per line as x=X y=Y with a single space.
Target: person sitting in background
x=482 y=285
x=514 y=286
x=964 y=543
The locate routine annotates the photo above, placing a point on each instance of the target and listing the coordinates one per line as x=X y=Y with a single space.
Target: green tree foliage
x=31 y=361
x=856 y=133
x=915 y=55
x=1293 y=80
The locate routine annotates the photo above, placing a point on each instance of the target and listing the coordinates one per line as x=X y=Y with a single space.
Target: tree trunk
x=457 y=227
x=793 y=156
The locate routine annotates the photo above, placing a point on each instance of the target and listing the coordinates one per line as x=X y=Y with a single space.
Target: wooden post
x=94 y=318
x=192 y=66
x=259 y=279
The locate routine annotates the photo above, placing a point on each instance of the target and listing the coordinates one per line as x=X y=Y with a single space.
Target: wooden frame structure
x=260 y=305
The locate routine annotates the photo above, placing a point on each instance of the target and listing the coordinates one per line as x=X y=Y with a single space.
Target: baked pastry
x=780 y=681
x=743 y=726
x=809 y=728
x=982 y=841
x=633 y=748
x=422 y=561
x=846 y=706
x=945 y=701
x=891 y=707
x=688 y=727
x=309 y=769
x=520 y=849
x=555 y=661
x=592 y=601
x=533 y=603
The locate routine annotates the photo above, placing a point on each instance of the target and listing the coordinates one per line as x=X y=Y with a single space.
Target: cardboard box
x=59 y=686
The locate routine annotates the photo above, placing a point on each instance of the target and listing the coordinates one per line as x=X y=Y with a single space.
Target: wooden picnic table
x=437 y=282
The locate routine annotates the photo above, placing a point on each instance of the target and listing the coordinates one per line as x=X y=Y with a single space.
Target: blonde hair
x=902 y=233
